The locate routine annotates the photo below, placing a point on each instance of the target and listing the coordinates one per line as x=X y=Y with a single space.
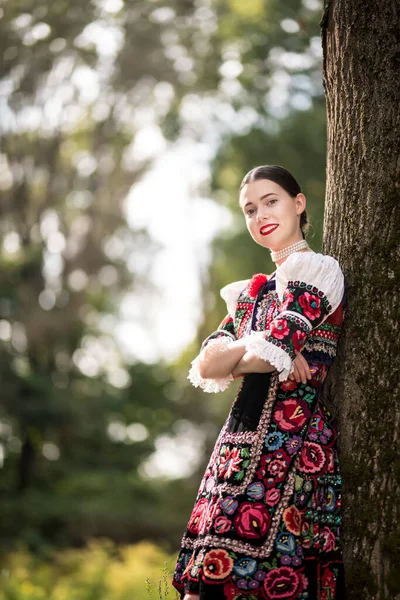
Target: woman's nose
x=262 y=213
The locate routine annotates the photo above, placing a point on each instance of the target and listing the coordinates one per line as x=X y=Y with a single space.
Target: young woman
x=266 y=521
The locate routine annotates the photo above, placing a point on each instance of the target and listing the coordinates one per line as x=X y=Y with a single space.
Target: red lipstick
x=267 y=229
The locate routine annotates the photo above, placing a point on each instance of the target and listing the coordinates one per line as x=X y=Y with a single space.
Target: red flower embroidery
x=197 y=516
x=231 y=591
x=217 y=564
x=252 y=520
x=279 y=329
x=328 y=539
x=328 y=584
x=291 y=414
x=272 y=496
x=254 y=285
x=298 y=340
x=312 y=458
x=230 y=463
x=273 y=467
x=283 y=583
x=292 y=519
x=288 y=299
x=311 y=305
x=222 y=525
x=288 y=385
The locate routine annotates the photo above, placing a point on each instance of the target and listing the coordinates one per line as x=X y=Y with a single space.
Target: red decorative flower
x=291 y=414
x=197 y=515
x=229 y=463
x=328 y=539
x=279 y=329
x=255 y=283
x=287 y=299
x=231 y=591
x=292 y=519
x=288 y=385
x=312 y=458
x=272 y=496
x=252 y=520
x=311 y=305
x=217 y=564
x=283 y=583
x=222 y=525
x=328 y=584
x=298 y=340
x=273 y=467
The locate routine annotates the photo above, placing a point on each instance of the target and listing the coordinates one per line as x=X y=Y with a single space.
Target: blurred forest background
x=102 y=451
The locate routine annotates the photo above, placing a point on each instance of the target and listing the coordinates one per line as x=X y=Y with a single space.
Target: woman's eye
x=272 y=201
x=250 y=211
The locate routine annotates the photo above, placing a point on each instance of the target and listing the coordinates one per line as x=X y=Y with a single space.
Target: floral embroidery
x=311 y=305
x=283 y=583
x=252 y=520
x=256 y=490
x=280 y=329
x=222 y=525
x=292 y=519
x=328 y=539
x=197 y=514
x=274 y=440
x=272 y=496
x=229 y=505
x=245 y=566
x=233 y=462
x=291 y=414
x=217 y=564
x=312 y=458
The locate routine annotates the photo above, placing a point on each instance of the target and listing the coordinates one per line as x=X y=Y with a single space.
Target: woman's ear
x=301 y=202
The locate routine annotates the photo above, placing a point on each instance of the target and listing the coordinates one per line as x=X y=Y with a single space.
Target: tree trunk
x=361 y=229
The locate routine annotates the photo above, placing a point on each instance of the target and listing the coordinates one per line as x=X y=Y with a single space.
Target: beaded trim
x=296 y=317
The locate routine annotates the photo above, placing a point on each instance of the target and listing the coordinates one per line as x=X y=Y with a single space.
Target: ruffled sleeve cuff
x=209 y=385
x=267 y=350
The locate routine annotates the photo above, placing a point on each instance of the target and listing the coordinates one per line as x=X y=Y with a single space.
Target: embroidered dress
x=266 y=520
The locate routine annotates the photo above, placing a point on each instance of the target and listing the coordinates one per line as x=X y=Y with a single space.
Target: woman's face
x=272 y=215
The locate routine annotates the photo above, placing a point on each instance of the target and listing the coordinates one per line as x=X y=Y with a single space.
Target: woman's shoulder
x=314 y=269
x=231 y=292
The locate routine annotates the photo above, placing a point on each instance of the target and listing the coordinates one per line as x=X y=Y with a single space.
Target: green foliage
x=100 y=571
x=79 y=418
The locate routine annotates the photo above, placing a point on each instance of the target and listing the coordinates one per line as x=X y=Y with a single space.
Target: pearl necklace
x=289 y=250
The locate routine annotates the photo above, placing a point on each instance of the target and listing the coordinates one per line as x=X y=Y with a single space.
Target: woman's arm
x=251 y=363
x=217 y=361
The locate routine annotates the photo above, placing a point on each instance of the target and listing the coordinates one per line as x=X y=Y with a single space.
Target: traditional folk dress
x=266 y=520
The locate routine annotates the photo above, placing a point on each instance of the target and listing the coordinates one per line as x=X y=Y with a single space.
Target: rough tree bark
x=361 y=229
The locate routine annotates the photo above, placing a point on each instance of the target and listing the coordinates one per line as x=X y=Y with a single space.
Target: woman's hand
x=301 y=369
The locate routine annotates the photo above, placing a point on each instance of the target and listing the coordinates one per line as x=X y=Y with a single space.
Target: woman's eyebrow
x=262 y=198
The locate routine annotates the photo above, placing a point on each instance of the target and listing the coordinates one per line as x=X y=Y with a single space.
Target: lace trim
x=210 y=385
x=257 y=344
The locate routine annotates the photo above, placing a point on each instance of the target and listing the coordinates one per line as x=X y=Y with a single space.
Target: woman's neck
x=281 y=255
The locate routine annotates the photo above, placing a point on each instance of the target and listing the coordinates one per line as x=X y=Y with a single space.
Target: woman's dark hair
x=283 y=178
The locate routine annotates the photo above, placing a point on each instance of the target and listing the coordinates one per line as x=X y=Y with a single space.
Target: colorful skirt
x=266 y=520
